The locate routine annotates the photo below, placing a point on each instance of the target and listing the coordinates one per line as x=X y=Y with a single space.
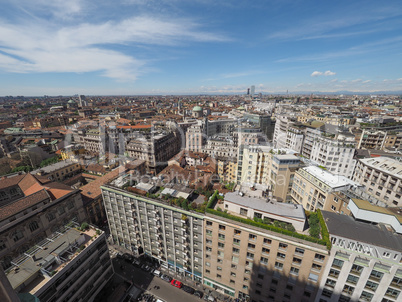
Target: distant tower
x=248 y=91
x=252 y=90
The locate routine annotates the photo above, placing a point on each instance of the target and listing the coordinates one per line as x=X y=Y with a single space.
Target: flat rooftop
x=54 y=167
x=37 y=266
x=264 y=205
x=332 y=180
x=347 y=227
x=384 y=164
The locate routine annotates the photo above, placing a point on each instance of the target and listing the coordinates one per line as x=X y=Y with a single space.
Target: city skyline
x=190 y=47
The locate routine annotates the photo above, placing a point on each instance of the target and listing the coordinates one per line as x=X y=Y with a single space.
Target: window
x=289 y=287
x=237 y=232
x=251 y=246
x=313 y=277
x=376 y=275
x=264 y=260
x=397 y=282
x=365 y=296
x=61 y=210
x=236 y=241
x=352 y=279
x=208 y=232
x=218 y=268
x=283 y=246
x=343 y=298
x=267 y=241
x=236 y=250
x=222 y=227
x=234 y=265
x=333 y=273
x=252 y=237
x=371 y=285
x=250 y=255
x=294 y=271
x=299 y=251
x=327 y=293
x=265 y=251
x=70 y=205
x=330 y=283
x=278 y=265
x=50 y=216
x=316 y=267
x=337 y=263
x=232 y=281
x=348 y=289
x=220 y=254
x=33 y=226
x=274 y=281
x=208 y=249
x=208 y=241
x=218 y=276
x=259 y=276
x=209 y=223
x=243 y=211
x=297 y=260
x=319 y=257
x=221 y=237
x=18 y=235
x=393 y=293
x=221 y=245
x=280 y=255
x=207 y=271
x=356 y=269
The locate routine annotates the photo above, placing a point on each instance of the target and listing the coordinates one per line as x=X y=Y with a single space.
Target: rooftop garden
x=318 y=235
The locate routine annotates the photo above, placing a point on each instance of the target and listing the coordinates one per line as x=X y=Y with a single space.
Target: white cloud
x=86 y=47
x=329 y=73
x=325 y=73
x=316 y=74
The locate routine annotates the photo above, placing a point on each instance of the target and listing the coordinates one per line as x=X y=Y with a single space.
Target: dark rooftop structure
x=347 y=227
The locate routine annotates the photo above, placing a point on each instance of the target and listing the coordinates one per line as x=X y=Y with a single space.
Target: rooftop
x=347 y=227
x=332 y=180
x=281 y=209
x=32 y=270
x=54 y=167
x=384 y=164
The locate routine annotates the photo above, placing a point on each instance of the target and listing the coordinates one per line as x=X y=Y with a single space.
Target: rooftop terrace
x=37 y=266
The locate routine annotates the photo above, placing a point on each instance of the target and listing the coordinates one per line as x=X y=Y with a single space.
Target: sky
x=129 y=47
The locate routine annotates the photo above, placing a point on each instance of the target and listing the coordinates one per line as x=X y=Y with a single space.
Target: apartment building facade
x=271 y=168
x=382 y=176
x=336 y=153
x=167 y=233
x=315 y=188
x=249 y=262
x=364 y=263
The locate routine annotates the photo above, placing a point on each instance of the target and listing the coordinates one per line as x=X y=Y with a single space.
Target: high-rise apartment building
x=382 y=176
x=365 y=259
x=167 y=233
x=315 y=188
x=69 y=265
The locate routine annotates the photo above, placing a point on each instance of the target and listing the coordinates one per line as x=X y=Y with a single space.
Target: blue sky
x=199 y=46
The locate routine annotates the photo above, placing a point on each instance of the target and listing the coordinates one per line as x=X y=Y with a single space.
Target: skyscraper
x=252 y=90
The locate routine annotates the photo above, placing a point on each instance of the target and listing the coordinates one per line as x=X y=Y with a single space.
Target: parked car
x=156 y=273
x=166 y=278
x=188 y=289
x=136 y=262
x=176 y=283
x=198 y=294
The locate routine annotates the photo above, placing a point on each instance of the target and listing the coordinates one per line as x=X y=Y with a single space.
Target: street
x=147 y=282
